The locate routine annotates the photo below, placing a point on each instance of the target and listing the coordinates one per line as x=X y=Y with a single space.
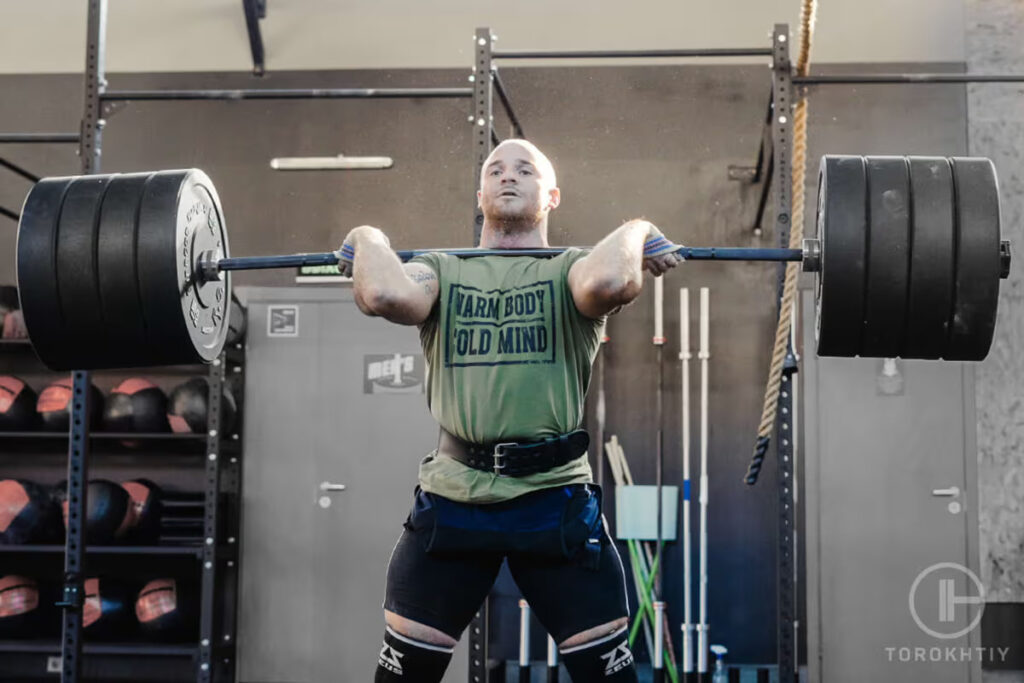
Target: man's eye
x=526 y=172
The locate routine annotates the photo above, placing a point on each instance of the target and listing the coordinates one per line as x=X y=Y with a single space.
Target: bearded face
x=517 y=185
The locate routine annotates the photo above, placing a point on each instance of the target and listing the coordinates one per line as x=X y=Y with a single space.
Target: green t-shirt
x=509 y=359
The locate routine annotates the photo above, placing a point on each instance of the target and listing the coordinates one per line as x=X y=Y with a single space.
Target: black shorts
x=558 y=552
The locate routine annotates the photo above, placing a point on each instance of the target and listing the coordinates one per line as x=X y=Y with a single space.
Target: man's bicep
x=425 y=279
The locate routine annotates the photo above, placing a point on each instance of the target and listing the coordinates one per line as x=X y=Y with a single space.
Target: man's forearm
x=616 y=262
x=377 y=273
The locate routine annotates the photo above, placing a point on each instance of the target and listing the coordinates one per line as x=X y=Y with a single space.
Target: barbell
x=129 y=270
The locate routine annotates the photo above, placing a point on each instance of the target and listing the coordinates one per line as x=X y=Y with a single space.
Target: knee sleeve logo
x=389 y=658
x=618 y=659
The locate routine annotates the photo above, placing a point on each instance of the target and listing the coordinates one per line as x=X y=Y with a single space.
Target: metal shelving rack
x=216 y=548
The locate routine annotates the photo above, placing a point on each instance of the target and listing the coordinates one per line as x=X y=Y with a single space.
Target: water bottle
x=720 y=675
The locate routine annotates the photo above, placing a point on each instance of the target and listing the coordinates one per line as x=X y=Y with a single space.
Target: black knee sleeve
x=604 y=659
x=411 y=661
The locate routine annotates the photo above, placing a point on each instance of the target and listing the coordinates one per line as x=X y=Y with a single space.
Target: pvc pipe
x=684 y=356
x=704 y=355
x=659 y=642
x=552 y=660
x=524 y=641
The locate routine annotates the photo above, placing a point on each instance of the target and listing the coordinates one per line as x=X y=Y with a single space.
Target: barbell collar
x=811 y=255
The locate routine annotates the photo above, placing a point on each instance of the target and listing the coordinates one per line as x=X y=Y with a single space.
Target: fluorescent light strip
x=340 y=162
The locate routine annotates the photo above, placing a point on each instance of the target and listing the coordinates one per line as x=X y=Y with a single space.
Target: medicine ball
x=27 y=513
x=13 y=325
x=12 y=321
x=136 y=405
x=107 y=612
x=54 y=406
x=236 y=322
x=146 y=501
x=8 y=299
x=17 y=405
x=27 y=608
x=167 y=610
x=109 y=513
x=188 y=409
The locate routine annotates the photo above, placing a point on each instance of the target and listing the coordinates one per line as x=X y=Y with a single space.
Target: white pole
x=704 y=355
x=524 y=634
x=659 y=344
x=659 y=304
x=684 y=356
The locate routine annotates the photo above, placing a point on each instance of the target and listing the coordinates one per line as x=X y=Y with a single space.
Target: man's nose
x=508 y=178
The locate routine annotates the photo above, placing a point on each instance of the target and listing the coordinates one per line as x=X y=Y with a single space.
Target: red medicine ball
x=147 y=507
x=107 y=614
x=27 y=513
x=54 y=405
x=136 y=405
x=166 y=610
x=27 y=608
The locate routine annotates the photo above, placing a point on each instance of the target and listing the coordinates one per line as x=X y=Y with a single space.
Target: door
x=336 y=425
x=892 y=519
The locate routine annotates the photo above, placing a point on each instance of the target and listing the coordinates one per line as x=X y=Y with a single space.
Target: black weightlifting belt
x=515 y=459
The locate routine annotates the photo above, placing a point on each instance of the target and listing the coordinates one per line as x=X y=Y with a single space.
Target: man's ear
x=554 y=198
x=478 y=195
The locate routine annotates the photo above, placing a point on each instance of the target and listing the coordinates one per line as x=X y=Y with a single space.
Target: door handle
x=951 y=492
x=331 y=488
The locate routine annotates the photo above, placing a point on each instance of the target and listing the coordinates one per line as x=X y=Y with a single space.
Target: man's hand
x=660 y=253
x=347 y=252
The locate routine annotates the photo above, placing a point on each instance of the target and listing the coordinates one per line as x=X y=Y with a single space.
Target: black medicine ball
x=17 y=405
x=54 y=405
x=109 y=514
x=27 y=513
x=236 y=322
x=167 y=610
x=136 y=405
x=188 y=408
x=108 y=610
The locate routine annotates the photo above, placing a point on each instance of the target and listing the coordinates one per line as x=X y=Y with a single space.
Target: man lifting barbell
x=509 y=343
x=908 y=259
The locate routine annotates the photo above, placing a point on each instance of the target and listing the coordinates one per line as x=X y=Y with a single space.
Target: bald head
x=518 y=150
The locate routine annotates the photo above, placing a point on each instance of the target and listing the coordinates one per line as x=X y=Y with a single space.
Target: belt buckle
x=499 y=454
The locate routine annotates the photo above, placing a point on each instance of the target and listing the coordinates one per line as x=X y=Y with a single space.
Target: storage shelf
x=195 y=550
x=134 y=436
x=148 y=649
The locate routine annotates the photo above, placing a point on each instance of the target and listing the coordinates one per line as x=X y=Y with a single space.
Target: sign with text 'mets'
x=393 y=373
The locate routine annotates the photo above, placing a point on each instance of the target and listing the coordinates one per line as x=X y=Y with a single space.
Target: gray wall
x=995 y=42
x=209 y=35
x=651 y=141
